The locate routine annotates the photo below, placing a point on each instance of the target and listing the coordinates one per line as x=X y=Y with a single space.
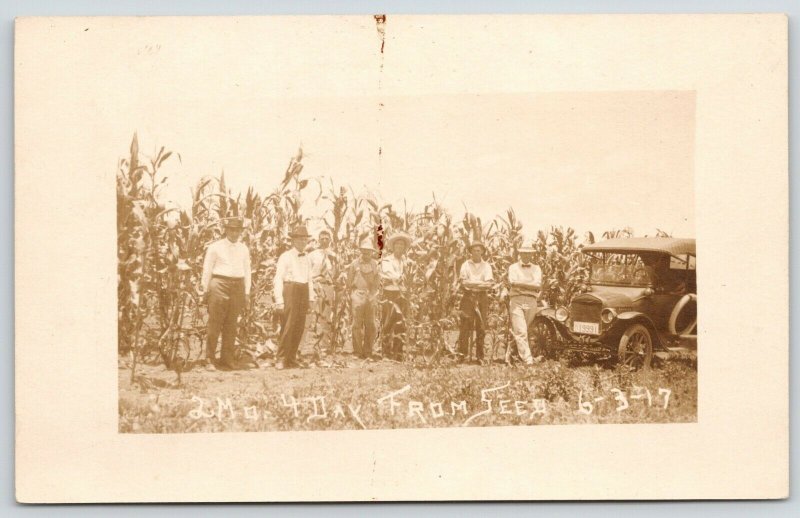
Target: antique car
x=641 y=302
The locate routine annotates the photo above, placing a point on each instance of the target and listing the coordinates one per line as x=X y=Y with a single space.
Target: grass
x=358 y=396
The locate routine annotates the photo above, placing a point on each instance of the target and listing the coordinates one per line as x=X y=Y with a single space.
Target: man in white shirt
x=476 y=278
x=321 y=258
x=395 y=305
x=525 y=284
x=293 y=293
x=226 y=284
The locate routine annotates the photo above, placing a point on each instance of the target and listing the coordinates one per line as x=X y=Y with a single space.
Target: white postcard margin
x=67 y=445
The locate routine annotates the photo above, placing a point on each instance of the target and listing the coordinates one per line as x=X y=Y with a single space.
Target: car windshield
x=620 y=270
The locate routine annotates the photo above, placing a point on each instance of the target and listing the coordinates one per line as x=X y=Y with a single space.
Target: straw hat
x=366 y=244
x=477 y=243
x=398 y=236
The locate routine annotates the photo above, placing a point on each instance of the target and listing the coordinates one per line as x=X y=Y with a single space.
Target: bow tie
x=301 y=255
x=526 y=265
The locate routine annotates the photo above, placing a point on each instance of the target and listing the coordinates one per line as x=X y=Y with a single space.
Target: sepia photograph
x=536 y=268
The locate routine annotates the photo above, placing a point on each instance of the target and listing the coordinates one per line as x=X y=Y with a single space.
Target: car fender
x=630 y=315
x=626 y=318
x=549 y=314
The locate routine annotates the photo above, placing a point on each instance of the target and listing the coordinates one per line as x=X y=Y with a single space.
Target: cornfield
x=161 y=249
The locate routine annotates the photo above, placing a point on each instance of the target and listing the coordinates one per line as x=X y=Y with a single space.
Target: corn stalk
x=161 y=250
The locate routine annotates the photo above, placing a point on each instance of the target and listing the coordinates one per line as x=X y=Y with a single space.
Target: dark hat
x=299 y=231
x=234 y=222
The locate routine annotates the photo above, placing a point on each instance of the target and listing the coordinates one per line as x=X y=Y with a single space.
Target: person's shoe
x=279 y=365
x=232 y=364
x=209 y=366
x=239 y=365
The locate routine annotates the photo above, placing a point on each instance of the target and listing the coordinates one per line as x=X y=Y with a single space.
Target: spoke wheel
x=636 y=348
x=542 y=338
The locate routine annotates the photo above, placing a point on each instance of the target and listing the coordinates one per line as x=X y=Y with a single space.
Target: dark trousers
x=363 y=309
x=474 y=310
x=393 y=330
x=293 y=320
x=225 y=304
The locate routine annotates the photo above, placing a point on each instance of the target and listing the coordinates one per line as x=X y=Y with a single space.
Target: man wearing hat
x=226 y=284
x=395 y=306
x=476 y=278
x=525 y=284
x=362 y=280
x=293 y=293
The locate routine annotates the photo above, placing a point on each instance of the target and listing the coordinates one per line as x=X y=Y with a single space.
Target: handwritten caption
x=397 y=403
x=637 y=394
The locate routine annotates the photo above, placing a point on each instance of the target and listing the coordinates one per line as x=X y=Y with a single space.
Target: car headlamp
x=562 y=314
x=608 y=315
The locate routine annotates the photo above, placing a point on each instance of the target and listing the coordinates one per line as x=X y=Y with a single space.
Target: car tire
x=542 y=338
x=673 y=318
x=636 y=348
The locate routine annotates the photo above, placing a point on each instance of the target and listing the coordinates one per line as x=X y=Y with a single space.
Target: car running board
x=677 y=353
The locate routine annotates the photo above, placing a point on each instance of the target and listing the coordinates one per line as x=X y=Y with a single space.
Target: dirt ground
x=350 y=393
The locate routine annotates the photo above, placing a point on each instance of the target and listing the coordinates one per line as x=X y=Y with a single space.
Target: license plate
x=589 y=328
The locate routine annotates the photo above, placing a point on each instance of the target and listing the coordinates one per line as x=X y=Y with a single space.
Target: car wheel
x=636 y=348
x=673 y=318
x=542 y=338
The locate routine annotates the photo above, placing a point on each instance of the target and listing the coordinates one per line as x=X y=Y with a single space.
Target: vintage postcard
x=401 y=257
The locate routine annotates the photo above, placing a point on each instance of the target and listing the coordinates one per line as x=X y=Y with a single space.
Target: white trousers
x=522 y=308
